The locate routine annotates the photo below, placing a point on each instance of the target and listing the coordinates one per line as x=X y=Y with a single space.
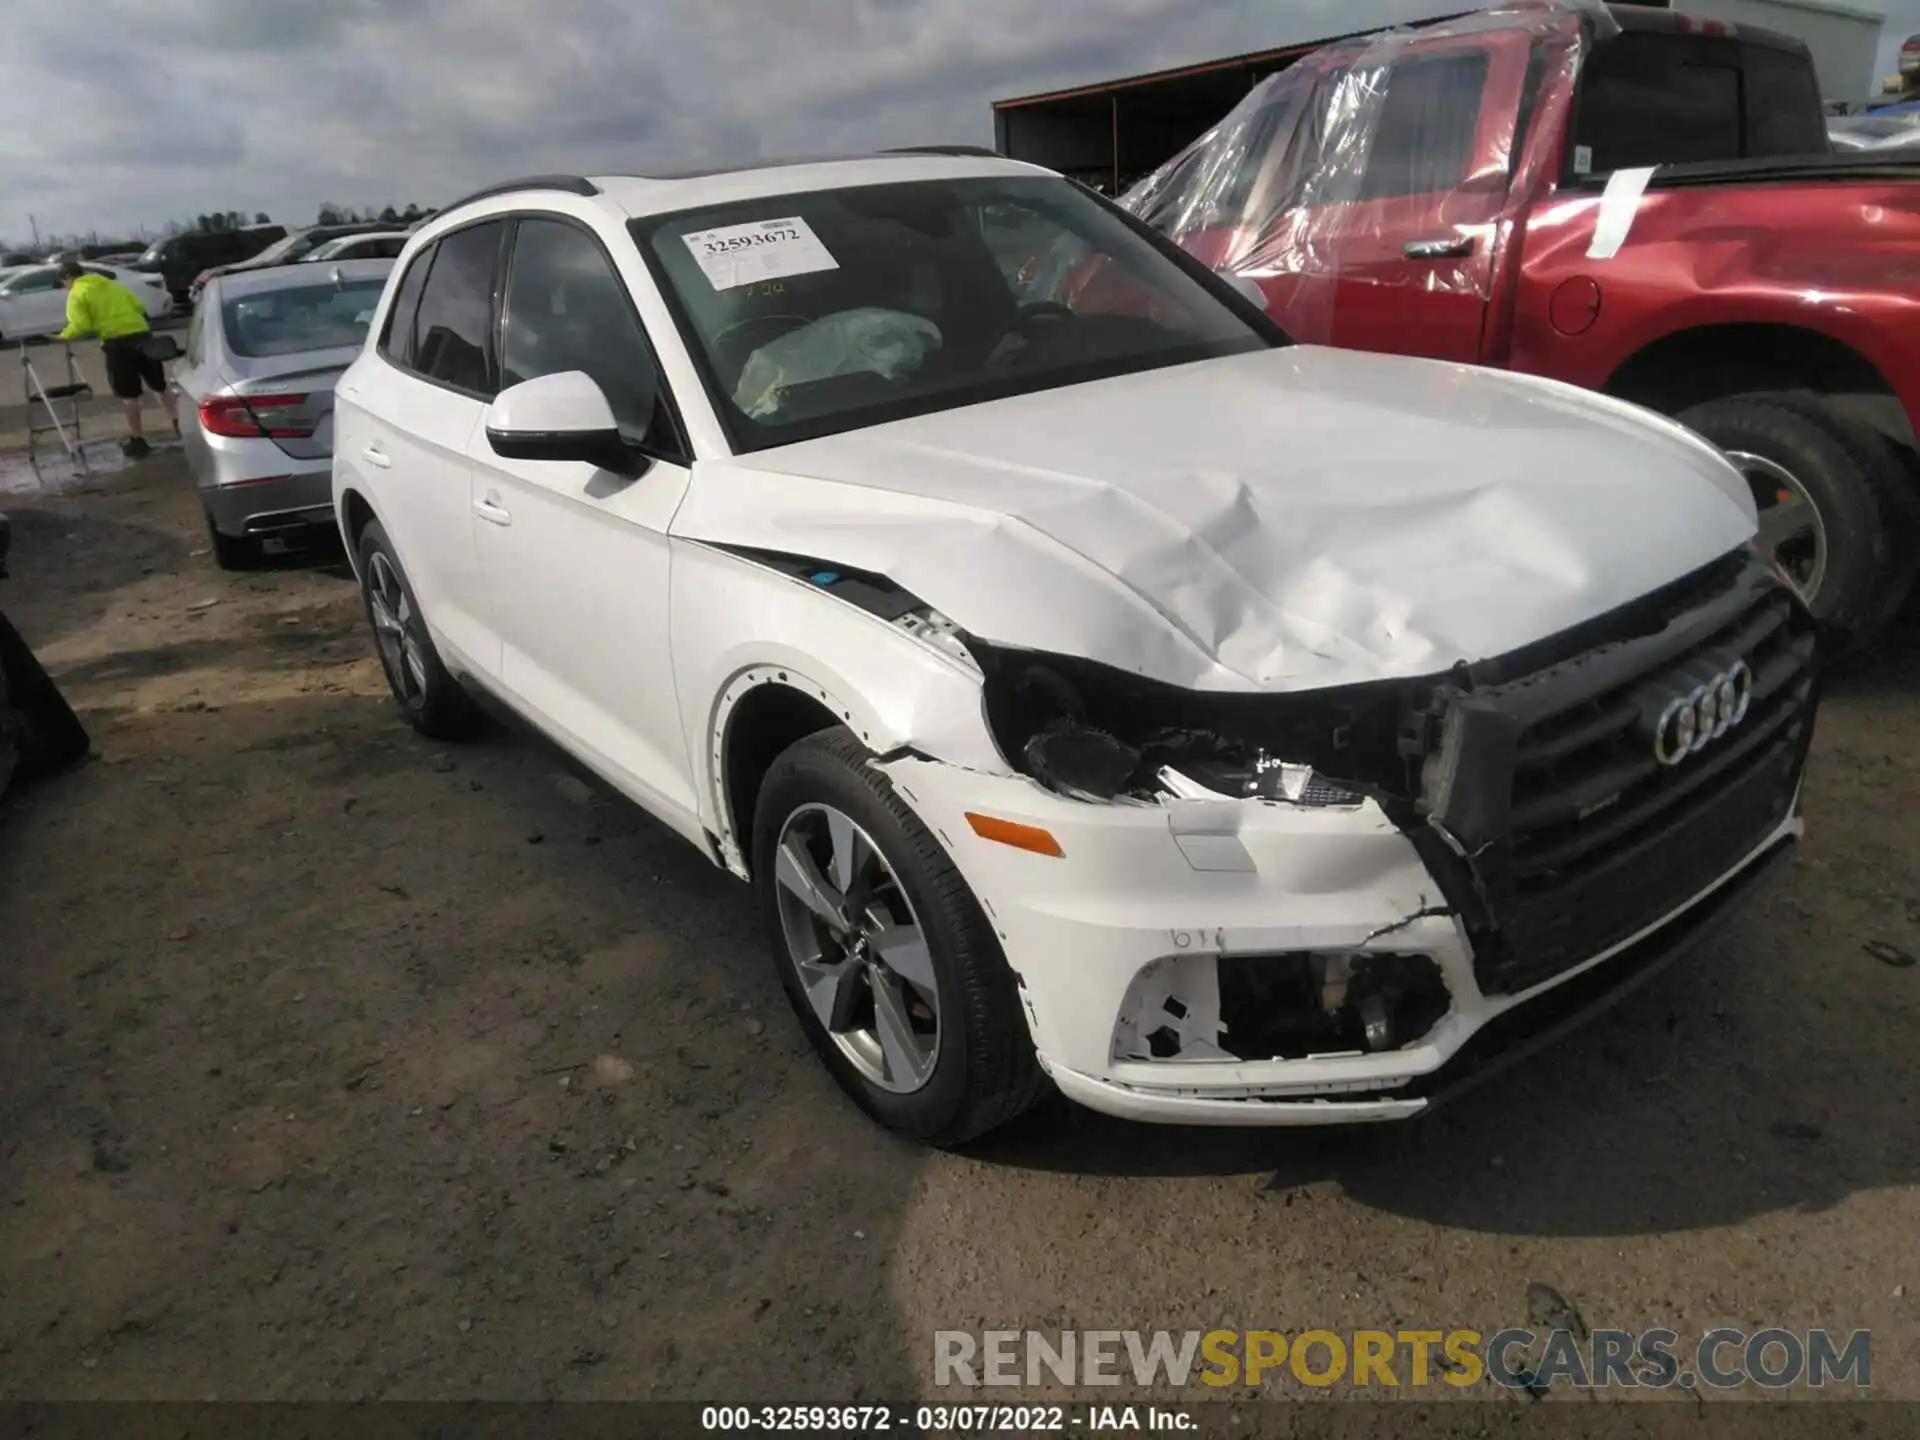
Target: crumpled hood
x=1284 y=520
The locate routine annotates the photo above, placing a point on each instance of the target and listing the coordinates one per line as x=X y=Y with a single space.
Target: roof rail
x=569 y=184
x=980 y=150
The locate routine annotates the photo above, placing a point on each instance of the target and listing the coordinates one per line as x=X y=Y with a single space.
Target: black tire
x=985 y=1072
x=1853 y=480
x=39 y=733
x=233 y=552
x=436 y=706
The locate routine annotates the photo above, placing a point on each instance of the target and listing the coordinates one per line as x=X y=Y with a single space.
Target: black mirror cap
x=604 y=449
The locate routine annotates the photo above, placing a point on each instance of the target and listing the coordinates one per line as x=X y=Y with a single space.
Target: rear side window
x=456 y=310
x=1423 y=141
x=1674 y=100
x=396 y=340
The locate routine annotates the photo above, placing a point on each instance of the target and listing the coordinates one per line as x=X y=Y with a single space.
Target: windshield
x=817 y=313
x=300 y=318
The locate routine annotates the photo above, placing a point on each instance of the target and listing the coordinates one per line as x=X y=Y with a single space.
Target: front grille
x=1597 y=839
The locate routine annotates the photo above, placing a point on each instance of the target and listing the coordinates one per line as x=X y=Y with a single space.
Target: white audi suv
x=1099 y=690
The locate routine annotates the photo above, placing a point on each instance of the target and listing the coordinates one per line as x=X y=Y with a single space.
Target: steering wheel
x=1039 y=310
x=1034 y=310
x=733 y=345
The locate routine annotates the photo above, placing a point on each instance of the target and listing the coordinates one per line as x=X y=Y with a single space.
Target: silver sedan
x=256 y=399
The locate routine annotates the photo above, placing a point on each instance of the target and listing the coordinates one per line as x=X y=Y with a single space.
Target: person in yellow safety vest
x=100 y=306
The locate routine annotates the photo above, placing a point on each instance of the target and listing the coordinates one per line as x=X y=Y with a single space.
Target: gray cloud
x=116 y=113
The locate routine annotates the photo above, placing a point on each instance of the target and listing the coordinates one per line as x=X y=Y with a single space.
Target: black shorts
x=129 y=367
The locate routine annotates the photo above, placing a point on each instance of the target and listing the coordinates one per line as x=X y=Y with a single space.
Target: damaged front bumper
x=1125 y=919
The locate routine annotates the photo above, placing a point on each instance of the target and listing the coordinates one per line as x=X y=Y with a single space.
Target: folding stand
x=46 y=400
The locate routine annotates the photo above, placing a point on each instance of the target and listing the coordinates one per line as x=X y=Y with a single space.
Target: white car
x=378 y=245
x=1228 y=731
x=33 y=303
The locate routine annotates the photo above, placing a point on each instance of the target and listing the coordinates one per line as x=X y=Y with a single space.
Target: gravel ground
x=334 y=1064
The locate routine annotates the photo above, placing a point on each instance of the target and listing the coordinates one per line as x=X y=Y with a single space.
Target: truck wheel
x=1827 y=493
x=885 y=954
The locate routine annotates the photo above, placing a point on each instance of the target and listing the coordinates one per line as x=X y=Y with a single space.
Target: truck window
x=1784 y=113
x=1423 y=140
x=1648 y=99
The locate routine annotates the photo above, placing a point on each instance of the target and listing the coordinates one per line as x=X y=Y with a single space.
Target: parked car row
x=33 y=303
x=178 y=259
x=287 y=250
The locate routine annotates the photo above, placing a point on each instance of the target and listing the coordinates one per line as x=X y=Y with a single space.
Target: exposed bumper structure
x=1125 y=899
x=1508 y=1032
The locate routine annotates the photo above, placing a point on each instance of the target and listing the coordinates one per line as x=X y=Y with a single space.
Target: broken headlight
x=1093 y=733
x=1087 y=763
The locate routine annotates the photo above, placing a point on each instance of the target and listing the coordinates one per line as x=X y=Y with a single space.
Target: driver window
x=566 y=309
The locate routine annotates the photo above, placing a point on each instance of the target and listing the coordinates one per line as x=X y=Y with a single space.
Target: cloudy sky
x=121 y=113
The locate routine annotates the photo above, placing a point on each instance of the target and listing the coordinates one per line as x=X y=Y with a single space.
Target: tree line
x=330 y=213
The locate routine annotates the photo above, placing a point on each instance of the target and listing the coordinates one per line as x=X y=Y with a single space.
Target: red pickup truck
x=1631 y=200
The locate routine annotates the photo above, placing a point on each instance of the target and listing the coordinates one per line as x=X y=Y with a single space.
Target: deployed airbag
x=889 y=343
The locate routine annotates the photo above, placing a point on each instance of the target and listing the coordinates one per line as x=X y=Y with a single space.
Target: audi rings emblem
x=1693 y=721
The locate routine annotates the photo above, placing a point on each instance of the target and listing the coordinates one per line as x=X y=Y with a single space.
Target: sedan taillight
x=240 y=416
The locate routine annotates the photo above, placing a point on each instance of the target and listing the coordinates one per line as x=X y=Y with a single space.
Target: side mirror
x=162 y=348
x=558 y=417
x=1249 y=291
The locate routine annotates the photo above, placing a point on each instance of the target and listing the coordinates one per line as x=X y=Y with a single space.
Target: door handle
x=376 y=457
x=1449 y=248
x=491 y=511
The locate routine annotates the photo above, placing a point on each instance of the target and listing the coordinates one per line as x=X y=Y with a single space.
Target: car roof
x=283 y=277
x=635 y=196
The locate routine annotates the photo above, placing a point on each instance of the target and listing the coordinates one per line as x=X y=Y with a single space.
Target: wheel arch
x=1702 y=363
x=765 y=709
x=354 y=512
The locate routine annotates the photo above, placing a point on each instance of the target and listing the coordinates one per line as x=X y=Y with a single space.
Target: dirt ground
x=336 y=1064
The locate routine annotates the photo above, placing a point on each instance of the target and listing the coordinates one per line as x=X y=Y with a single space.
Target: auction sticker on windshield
x=737 y=255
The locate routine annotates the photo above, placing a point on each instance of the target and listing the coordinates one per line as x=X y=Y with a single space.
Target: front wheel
x=1828 y=502
x=885 y=954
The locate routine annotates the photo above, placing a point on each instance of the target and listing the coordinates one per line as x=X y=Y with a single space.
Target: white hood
x=1284 y=520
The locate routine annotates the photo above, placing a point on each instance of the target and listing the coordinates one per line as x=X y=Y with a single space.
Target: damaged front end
x=1214 y=763
x=1091 y=732
x=1562 y=806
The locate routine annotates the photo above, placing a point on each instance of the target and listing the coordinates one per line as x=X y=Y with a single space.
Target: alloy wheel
x=393 y=629
x=858 y=948
x=1790 y=525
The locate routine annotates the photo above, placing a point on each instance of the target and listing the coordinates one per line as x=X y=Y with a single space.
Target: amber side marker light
x=1010 y=832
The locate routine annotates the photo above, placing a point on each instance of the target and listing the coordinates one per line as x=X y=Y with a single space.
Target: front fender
x=738 y=625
